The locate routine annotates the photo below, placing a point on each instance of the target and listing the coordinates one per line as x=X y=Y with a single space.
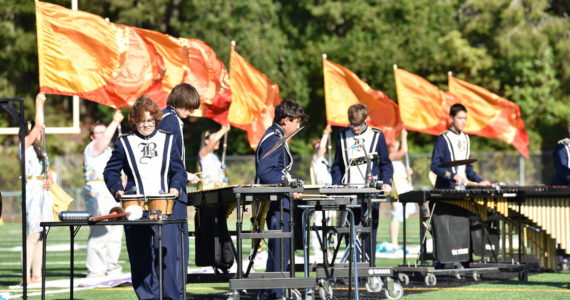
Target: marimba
x=543 y=213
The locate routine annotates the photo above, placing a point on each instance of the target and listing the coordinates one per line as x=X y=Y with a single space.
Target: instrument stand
x=475 y=270
x=345 y=200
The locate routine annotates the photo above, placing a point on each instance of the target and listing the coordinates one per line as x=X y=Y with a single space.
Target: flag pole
x=329 y=143
x=406 y=156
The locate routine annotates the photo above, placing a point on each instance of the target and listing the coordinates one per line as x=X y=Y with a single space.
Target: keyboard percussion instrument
x=543 y=213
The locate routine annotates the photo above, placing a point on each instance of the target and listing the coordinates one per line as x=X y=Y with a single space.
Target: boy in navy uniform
x=561 y=157
x=454 y=245
x=349 y=167
x=181 y=102
x=452 y=145
x=273 y=169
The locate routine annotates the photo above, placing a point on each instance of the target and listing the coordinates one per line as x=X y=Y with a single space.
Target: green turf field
x=540 y=286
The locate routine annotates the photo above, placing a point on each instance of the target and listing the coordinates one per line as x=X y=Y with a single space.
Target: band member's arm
x=338 y=168
x=39 y=121
x=386 y=168
x=170 y=124
x=103 y=141
x=214 y=137
x=472 y=175
x=561 y=164
x=177 y=174
x=112 y=172
x=323 y=144
x=270 y=169
x=438 y=157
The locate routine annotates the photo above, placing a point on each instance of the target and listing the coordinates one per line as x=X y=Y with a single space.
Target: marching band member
x=181 y=103
x=104 y=242
x=272 y=170
x=153 y=165
x=350 y=165
x=454 y=145
x=562 y=161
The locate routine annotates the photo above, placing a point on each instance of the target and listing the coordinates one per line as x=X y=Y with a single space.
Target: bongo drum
x=160 y=206
x=137 y=200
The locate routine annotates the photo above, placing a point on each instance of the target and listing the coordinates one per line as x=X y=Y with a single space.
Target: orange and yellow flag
x=254 y=97
x=82 y=54
x=343 y=88
x=423 y=106
x=490 y=115
x=191 y=61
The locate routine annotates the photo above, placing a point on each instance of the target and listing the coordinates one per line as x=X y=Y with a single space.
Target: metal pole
x=521 y=170
x=407 y=160
x=225 y=147
x=24 y=212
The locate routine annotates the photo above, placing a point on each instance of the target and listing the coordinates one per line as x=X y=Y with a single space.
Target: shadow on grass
x=555 y=284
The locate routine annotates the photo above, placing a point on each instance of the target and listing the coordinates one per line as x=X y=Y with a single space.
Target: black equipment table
x=74 y=227
x=247 y=195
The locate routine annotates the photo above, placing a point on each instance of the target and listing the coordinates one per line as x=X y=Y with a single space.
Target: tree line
x=519 y=49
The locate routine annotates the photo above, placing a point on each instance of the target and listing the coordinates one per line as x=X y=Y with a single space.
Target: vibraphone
x=540 y=215
x=234 y=197
x=353 y=201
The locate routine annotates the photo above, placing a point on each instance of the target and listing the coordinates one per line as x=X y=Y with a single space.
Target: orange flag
x=343 y=89
x=490 y=115
x=191 y=61
x=423 y=106
x=82 y=54
x=254 y=98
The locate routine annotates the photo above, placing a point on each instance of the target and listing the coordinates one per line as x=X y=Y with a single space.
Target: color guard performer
x=561 y=157
x=104 y=242
x=153 y=165
x=272 y=170
x=351 y=145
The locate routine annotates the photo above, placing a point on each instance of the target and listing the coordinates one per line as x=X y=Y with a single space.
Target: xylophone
x=543 y=210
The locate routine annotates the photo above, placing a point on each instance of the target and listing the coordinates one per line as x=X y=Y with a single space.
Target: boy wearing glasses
x=353 y=144
x=152 y=163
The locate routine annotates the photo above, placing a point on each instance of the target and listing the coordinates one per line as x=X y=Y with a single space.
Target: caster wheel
x=325 y=290
x=374 y=284
x=396 y=293
x=430 y=279
x=404 y=278
x=296 y=295
x=523 y=276
x=476 y=276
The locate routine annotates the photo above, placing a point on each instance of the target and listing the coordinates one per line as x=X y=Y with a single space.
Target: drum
x=137 y=200
x=160 y=206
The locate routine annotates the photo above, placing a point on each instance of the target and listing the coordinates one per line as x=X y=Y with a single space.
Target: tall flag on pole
x=191 y=61
x=82 y=54
x=343 y=88
x=423 y=106
x=254 y=97
x=491 y=115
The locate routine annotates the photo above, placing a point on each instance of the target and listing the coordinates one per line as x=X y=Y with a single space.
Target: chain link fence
x=498 y=167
